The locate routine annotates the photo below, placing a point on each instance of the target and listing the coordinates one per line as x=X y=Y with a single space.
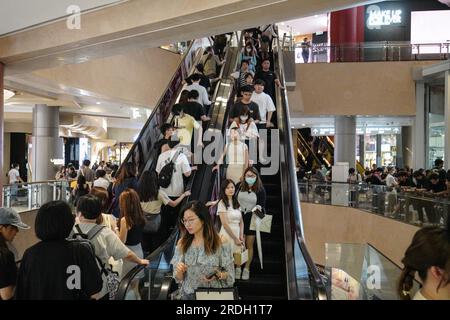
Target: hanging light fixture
x=8 y=94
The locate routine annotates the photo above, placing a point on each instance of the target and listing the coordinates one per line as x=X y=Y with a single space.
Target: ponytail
x=406 y=283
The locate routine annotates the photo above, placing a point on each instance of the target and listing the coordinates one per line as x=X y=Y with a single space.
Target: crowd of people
x=119 y=219
x=395 y=190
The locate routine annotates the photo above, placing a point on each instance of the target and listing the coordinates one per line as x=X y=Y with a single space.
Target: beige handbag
x=265 y=224
x=240 y=257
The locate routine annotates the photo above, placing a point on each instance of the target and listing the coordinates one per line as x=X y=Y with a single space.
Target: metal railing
x=32 y=195
x=407 y=205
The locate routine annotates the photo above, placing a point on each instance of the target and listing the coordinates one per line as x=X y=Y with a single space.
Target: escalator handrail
x=294 y=191
x=305 y=143
x=158 y=105
x=126 y=281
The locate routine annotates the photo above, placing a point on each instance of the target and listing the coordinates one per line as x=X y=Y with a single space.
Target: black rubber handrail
x=293 y=210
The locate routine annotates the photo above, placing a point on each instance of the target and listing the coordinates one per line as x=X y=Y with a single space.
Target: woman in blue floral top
x=201 y=259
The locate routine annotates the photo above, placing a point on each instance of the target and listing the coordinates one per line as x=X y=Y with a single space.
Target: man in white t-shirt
x=176 y=187
x=264 y=102
x=203 y=98
x=182 y=167
x=101 y=180
x=13 y=179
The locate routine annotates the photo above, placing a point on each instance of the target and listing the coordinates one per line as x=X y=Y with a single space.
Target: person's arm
x=8 y=276
x=174 y=203
x=205 y=98
x=123 y=233
x=270 y=110
x=246 y=160
x=241 y=230
x=220 y=161
x=199 y=129
x=185 y=166
x=7 y=293
x=132 y=257
x=224 y=220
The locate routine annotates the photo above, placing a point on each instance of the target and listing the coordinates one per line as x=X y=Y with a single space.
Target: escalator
x=308 y=152
x=155 y=281
x=288 y=271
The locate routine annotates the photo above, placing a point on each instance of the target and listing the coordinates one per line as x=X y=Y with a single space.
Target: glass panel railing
x=152 y=282
x=408 y=205
x=28 y=196
x=360 y=272
x=375 y=51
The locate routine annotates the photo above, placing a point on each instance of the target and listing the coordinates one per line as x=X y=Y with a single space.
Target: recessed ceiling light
x=304 y=124
x=98 y=102
x=8 y=94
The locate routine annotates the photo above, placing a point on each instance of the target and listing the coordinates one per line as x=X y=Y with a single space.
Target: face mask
x=249 y=49
x=250 y=180
x=244 y=118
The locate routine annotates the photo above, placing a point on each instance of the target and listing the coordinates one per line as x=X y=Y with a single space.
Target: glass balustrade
x=29 y=196
x=409 y=205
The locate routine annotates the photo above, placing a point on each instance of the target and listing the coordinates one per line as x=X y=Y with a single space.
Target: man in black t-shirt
x=253 y=108
x=10 y=223
x=64 y=270
x=270 y=79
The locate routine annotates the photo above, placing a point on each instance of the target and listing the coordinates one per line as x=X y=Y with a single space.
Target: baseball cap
x=11 y=217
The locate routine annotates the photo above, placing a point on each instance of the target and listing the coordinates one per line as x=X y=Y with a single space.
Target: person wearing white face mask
x=249 y=53
x=245 y=124
x=250 y=194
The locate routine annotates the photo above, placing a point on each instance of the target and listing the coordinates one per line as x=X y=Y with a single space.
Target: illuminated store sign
x=329 y=131
x=378 y=17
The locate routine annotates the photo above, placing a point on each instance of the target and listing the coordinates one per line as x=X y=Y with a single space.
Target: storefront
x=374 y=145
x=118 y=152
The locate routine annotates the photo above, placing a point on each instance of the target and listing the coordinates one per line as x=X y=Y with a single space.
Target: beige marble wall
x=138 y=77
x=26 y=238
x=332 y=224
x=366 y=88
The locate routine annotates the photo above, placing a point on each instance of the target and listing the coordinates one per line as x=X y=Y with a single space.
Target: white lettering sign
x=74 y=19
x=57 y=162
x=378 y=17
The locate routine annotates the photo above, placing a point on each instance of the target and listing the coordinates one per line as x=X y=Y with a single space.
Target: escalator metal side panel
x=293 y=222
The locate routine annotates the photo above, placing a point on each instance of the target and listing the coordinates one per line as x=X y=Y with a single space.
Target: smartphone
x=212 y=275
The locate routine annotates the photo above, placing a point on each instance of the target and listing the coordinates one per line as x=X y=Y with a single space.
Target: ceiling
x=303 y=26
x=16 y=15
x=20 y=109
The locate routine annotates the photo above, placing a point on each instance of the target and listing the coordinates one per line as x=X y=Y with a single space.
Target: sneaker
x=245 y=274
x=237 y=275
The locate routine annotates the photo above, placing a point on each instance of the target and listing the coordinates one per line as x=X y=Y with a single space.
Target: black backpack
x=165 y=175
x=112 y=277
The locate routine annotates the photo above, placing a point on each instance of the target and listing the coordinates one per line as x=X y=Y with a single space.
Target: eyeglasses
x=188 y=222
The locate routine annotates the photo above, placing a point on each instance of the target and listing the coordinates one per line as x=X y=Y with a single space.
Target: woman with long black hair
x=201 y=258
x=230 y=215
x=251 y=195
x=125 y=179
